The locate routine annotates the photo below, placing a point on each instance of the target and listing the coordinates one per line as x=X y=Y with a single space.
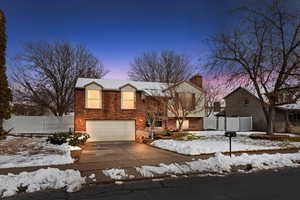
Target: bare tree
x=263 y=51
x=47 y=74
x=181 y=104
x=155 y=111
x=166 y=66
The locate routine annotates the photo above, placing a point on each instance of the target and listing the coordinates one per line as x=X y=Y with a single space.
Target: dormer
x=93 y=96
x=128 y=97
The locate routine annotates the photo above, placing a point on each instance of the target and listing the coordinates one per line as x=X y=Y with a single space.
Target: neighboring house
x=243 y=103
x=116 y=109
x=216 y=109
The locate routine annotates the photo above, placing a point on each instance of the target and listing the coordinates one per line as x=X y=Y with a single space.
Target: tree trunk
x=180 y=122
x=152 y=132
x=270 y=120
x=1 y=125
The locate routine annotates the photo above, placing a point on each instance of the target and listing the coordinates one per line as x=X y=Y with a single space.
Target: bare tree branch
x=166 y=66
x=47 y=73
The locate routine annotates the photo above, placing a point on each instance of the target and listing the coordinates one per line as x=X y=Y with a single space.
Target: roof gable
x=241 y=89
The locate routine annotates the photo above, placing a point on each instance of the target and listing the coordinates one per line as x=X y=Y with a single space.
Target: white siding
x=185 y=87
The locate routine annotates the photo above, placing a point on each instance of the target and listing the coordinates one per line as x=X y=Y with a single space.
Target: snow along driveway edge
x=42 y=179
x=223 y=164
x=219 y=164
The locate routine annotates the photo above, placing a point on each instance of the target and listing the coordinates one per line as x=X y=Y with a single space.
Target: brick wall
x=111 y=109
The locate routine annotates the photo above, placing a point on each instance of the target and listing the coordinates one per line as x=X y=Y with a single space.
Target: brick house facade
x=111 y=107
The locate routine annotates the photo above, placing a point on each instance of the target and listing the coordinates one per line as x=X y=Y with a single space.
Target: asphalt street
x=282 y=184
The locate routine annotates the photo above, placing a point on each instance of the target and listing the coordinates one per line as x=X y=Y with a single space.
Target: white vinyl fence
x=39 y=124
x=228 y=123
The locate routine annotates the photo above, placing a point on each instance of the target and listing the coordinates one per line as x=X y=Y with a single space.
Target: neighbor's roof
x=294 y=106
x=252 y=92
x=117 y=84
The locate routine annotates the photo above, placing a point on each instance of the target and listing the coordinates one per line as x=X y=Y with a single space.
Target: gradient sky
x=116 y=31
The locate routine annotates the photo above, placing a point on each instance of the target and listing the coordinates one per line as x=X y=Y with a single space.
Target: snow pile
x=295 y=106
x=72 y=148
x=221 y=163
x=115 y=174
x=41 y=179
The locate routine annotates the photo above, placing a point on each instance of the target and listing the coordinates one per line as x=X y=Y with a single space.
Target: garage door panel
x=111 y=130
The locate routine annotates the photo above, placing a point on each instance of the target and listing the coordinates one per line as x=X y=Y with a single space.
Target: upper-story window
x=187 y=100
x=128 y=97
x=93 y=96
x=246 y=101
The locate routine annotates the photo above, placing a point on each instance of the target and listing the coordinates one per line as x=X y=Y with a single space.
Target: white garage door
x=111 y=130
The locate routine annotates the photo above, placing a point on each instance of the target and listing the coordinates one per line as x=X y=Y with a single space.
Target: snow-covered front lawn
x=215 y=141
x=25 y=152
x=41 y=179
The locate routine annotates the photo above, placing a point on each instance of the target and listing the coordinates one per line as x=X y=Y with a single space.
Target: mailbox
x=230 y=134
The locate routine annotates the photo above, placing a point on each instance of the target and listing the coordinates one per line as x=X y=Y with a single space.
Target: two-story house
x=115 y=110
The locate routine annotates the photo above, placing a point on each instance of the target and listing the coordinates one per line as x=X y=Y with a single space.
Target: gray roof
x=117 y=84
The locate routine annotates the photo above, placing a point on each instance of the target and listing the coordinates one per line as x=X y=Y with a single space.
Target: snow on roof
x=148 y=87
x=293 y=106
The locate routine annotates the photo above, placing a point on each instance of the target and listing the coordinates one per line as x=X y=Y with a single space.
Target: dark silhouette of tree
x=5 y=92
x=47 y=74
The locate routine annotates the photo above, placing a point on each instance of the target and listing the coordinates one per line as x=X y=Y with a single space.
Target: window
x=187 y=100
x=128 y=100
x=294 y=117
x=93 y=99
x=246 y=102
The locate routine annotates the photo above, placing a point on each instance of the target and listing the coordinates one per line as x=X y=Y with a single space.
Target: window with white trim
x=93 y=99
x=128 y=100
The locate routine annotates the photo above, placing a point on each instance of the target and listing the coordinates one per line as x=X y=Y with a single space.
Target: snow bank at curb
x=221 y=163
x=116 y=174
x=41 y=179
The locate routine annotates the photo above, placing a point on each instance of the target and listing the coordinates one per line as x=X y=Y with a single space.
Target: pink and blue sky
x=118 y=30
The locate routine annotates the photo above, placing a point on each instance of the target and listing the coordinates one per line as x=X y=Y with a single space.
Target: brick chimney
x=197 y=80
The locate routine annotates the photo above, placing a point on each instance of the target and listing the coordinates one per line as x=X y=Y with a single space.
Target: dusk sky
x=117 y=31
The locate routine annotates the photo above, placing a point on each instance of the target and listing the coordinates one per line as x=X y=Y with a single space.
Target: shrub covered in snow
x=41 y=179
x=75 y=139
x=58 y=138
x=78 y=139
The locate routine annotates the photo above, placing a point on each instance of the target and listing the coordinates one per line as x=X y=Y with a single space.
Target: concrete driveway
x=104 y=155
